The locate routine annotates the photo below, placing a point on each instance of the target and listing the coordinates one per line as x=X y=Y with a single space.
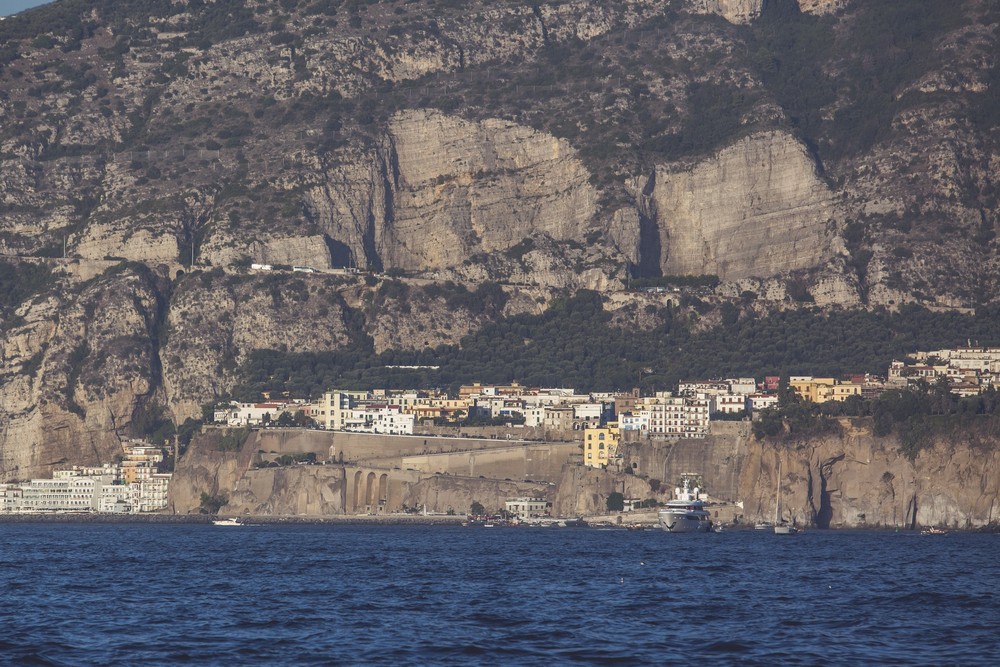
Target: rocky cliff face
x=857 y=480
x=468 y=188
x=77 y=367
x=848 y=480
x=553 y=146
x=734 y=11
x=215 y=322
x=296 y=138
x=755 y=209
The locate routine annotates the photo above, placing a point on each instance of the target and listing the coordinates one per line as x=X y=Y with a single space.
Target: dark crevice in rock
x=825 y=513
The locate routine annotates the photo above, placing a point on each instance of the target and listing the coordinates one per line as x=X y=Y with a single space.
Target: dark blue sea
x=151 y=594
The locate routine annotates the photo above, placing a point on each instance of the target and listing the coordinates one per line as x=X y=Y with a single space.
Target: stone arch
x=383 y=490
x=357 y=491
x=370 y=490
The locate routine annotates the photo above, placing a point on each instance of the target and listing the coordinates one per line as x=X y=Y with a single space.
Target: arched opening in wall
x=357 y=491
x=383 y=490
x=370 y=490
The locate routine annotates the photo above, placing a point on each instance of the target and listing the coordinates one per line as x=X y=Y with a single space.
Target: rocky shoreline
x=377 y=520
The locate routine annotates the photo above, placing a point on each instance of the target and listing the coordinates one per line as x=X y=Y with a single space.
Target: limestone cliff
x=466 y=188
x=215 y=322
x=857 y=480
x=842 y=157
x=847 y=480
x=76 y=368
x=734 y=11
x=754 y=209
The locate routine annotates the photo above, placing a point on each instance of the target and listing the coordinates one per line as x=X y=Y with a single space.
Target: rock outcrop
x=845 y=480
x=734 y=11
x=76 y=371
x=465 y=188
x=215 y=323
x=756 y=208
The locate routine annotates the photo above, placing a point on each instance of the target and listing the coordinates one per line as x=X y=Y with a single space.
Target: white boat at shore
x=686 y=513
x=231 y=521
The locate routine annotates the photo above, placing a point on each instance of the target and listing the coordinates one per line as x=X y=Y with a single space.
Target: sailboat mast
x=777 y=496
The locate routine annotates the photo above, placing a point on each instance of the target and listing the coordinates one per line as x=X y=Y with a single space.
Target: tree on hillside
x=616 y=502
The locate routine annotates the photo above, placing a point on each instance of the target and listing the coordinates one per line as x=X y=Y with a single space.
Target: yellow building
x=139 y=462
x=600 y=445
x=821 y=390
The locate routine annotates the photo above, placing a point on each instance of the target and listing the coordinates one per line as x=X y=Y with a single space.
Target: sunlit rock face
x=756 y=208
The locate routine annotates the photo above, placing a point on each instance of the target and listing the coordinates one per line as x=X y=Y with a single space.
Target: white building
x=253 y=414
x=678 y=416
x=526 y=508
x=729 y=404
x=636 y=421
x=386 y=419
x=589 y=412
x=70 y=492
x=534 y=416
x=760 y=402
x=97 y=489
x=745 y=386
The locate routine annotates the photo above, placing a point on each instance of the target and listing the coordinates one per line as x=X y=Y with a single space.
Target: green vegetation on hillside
x=19 y=282
x=859 y=69
x=917 y=415
x=574 y=344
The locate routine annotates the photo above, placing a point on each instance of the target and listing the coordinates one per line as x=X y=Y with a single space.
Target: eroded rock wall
x=469 y=187
x=756 y=208
x=74 y=370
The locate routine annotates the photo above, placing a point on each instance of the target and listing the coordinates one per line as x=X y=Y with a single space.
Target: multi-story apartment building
x=677 y=416
x=729 y=404
x=68 y=491
x=559 y=418
x=600 y=445
x=140 y=462
x=534 y=416
x=638 y=420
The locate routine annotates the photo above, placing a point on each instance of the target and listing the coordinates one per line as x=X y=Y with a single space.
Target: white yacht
x=686 y=513
x=231 y=521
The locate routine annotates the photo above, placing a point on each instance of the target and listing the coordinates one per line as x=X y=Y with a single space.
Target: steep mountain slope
x=820 y=152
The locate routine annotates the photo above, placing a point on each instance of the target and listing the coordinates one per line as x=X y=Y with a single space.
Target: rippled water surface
x=77 y=594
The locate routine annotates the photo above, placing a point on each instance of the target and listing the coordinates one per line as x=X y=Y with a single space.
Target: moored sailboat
x=781 y=527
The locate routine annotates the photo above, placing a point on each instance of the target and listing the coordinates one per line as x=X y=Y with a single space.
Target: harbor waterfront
x=118 y=593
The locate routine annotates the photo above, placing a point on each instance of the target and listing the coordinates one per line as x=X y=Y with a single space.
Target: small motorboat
x=231 y=521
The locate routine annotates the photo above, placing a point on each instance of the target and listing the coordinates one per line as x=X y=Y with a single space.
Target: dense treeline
x=574 y=344
x=916 y=414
